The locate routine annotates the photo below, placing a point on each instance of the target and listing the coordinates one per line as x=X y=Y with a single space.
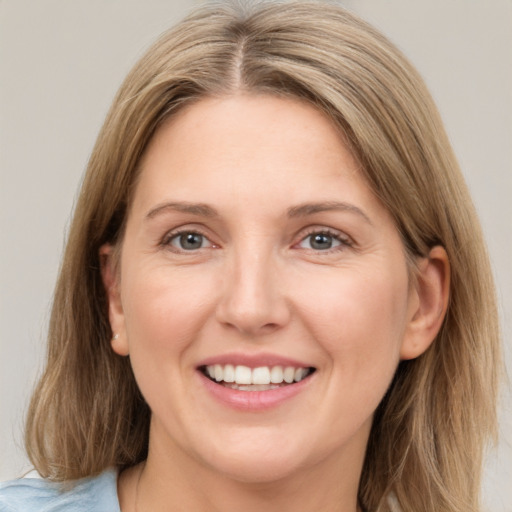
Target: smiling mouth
x=263 y=378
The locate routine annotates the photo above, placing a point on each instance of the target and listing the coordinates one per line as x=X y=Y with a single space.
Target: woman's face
x=255 y=252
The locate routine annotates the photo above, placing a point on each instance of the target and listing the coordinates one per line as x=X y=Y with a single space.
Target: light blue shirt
x=96 y=494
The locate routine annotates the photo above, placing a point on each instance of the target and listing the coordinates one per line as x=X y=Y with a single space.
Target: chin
x=263 y=460
x=260 y=470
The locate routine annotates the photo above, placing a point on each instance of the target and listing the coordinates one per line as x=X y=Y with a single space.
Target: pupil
x=191 y=241
x=321 y=241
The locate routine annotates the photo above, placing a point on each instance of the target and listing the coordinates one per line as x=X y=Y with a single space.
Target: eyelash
x=169 y=237
x=344 y=241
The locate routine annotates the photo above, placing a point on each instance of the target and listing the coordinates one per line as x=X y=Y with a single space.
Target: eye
x=187 y=241
x=322 y=241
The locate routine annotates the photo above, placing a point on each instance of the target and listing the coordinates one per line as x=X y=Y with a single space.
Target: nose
x=253 y=298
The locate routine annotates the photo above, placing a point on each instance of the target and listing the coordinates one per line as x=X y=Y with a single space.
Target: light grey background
x=61 y=62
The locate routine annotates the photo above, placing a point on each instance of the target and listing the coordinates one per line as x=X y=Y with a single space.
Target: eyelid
x=175 y=232
x=343 y=238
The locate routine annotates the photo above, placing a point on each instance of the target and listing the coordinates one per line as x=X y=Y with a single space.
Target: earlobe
x=432 y=290
x=110 y=279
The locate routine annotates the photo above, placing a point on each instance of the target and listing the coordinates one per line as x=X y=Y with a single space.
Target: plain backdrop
x=61 y=62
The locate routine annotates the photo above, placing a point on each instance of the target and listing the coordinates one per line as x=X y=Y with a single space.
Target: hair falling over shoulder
x=430 y=432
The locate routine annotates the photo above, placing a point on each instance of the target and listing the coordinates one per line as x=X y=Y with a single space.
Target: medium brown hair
x=430 y=431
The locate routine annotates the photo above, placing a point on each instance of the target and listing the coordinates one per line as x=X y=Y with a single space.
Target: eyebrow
x=306 y=209
x=199 y=209
x=302 y=210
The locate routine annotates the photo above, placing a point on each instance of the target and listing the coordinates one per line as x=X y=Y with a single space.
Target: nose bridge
x=252 y=300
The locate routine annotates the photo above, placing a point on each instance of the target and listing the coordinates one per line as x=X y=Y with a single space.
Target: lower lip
x=253 y=400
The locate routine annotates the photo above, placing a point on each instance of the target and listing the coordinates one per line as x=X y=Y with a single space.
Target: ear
x=110 y=276
x=428 y=301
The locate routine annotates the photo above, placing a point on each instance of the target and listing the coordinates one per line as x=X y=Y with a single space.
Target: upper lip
x=253 y=360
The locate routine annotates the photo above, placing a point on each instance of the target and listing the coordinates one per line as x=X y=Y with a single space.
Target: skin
x=257 y=284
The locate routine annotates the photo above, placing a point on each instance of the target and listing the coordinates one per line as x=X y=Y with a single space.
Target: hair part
x=430 y=431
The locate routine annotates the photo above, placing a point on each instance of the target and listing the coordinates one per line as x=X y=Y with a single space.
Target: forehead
x=250 y=151
x=265 y=121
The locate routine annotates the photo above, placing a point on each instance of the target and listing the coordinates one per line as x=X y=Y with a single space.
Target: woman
x=275 y=293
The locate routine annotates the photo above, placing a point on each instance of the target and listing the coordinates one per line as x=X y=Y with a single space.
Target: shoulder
x=95 y=494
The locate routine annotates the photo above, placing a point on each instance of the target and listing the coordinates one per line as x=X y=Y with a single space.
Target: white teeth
x=300 y=373
x=253 y=387
x=229 y=373
x=261 y=375
x=243 y=377
x=276 y=375
x=289 y=374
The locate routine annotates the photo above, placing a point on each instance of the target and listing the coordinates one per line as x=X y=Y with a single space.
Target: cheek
x=163 y=311
x=360 y=319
